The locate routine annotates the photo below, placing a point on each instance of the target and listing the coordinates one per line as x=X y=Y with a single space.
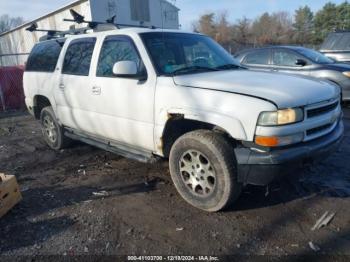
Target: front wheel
x=203 y=169
x=53 y=133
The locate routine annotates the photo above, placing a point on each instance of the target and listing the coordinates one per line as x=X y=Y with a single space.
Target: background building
x=16 y=44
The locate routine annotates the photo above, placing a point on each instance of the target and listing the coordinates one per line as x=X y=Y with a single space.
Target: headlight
x=281 y=117
x=347 y=73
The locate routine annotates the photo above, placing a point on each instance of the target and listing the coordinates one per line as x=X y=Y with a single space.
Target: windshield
x=181 y=53
x=315 y=56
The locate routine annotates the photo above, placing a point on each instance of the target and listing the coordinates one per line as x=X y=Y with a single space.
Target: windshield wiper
x=192 y=69
x=228 y=67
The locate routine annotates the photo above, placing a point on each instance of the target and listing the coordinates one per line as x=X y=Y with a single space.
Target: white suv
x=148 y=94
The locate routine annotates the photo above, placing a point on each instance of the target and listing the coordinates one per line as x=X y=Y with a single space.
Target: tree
x=303 y=25
x=281 y=28
x=261 y=30
x=325 y=21
x=343 y=16
x=242 y=31
x=223 y=30
x=206 y=25
x=7 y=22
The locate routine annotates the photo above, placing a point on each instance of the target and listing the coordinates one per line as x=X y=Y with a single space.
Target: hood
x=341 y=67
x=283 y=90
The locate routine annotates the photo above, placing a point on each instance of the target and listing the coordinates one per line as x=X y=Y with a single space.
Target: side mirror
x=125 y=69
x=301 y=62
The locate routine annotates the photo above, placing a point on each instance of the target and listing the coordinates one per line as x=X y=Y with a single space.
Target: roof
x=74 y=3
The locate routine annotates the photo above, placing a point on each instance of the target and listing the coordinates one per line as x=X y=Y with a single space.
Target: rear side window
x=78 y=57
x=44 y=56
x=260 y=57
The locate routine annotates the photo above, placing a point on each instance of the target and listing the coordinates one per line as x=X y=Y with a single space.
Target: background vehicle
x=337 y=46
x=151 y=93
x=299 y=61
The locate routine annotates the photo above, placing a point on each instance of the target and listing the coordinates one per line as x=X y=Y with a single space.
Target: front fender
x=230 y=124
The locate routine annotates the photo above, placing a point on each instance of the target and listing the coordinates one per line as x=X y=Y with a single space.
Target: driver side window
x=116 y=49
x=284 y=58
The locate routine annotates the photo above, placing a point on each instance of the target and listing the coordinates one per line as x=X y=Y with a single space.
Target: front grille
x=319 y=129
x=322 y=110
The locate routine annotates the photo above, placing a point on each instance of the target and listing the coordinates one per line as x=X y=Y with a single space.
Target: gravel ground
x=84 y=201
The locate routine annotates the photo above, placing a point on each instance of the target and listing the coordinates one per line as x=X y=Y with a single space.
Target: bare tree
x=223 y=30
x=7 y=22
x=206 y=25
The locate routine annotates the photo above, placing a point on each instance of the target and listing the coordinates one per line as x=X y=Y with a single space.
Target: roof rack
x=79 y=19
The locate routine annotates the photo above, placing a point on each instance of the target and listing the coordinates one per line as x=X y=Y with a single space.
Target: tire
x=53 y=133
x=203 y=169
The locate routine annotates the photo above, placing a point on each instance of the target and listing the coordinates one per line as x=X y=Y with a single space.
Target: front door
x=122 y=108
x=284 y=61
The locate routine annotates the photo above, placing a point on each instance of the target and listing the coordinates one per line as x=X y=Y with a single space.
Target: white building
x=16 y=44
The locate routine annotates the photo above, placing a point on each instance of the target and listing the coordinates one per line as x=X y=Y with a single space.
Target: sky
x=190 y=9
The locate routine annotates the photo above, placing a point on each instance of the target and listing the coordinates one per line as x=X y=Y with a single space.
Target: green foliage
x=303 y=25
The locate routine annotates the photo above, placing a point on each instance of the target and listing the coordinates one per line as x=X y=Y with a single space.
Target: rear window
x=260 y=57
x=78 y=57
x=337 y=42
x=44 y=56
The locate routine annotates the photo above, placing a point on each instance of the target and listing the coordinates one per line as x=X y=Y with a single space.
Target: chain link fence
x=11 y=88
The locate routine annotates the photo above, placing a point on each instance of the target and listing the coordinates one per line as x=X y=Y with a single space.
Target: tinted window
x=78 y=57
x=260 y=57
x=116 y=49
x=44 y=56
x=285 y=58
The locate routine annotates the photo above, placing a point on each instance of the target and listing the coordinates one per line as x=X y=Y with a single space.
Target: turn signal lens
x=347 y=73
x=273 y=141
x=266 y=141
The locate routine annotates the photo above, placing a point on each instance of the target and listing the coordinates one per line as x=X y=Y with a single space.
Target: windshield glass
x=181 y=53
x=315 y=56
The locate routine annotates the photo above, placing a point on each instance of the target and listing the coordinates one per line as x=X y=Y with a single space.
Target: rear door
x=258 y=59
x=74 y=86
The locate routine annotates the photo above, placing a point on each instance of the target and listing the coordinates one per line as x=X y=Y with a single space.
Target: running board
x=116 y=148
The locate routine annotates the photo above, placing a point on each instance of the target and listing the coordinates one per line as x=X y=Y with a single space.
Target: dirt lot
x=141 y=213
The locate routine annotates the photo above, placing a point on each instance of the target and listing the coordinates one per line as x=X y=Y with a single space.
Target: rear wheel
x=203 y=169
x=53 y=133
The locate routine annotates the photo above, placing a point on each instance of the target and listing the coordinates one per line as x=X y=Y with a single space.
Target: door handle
x=62 y=86
x=96 y=90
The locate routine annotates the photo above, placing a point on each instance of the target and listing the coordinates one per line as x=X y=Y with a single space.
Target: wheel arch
x=39 y=103
x=178 y=124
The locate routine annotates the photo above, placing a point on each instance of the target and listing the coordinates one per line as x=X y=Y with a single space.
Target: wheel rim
x=197 y=173
x=50 y=129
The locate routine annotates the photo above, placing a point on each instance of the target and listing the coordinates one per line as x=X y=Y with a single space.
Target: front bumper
x=261 y=168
